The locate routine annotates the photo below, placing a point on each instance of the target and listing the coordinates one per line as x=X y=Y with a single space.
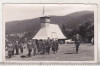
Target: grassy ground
x=66 y=52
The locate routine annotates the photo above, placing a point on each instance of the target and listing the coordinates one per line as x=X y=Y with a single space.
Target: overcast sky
x=13 y=12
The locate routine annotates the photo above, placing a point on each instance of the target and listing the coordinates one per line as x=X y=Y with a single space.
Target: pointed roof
x=53 y=31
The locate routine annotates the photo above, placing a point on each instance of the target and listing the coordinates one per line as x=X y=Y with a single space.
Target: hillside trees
x=85 y=30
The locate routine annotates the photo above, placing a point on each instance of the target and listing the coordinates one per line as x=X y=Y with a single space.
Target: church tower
x=44 y=20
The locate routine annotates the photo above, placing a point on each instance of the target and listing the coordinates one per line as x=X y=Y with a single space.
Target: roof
x=53 y=31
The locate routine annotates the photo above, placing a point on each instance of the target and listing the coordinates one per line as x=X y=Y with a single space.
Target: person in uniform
x=13 y=48
x=29 y=46
x=25 y=43
x=10 y=49
x=77 y=42
x=40 y=46
x=55 y=46
x=34 y=47
x=21 y=47
x=17 y=47
x=37 y=44
x=48 y=45
x=43 y=46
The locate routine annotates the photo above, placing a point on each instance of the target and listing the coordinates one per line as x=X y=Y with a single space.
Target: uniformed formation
x=33 y=46
x=37 y=46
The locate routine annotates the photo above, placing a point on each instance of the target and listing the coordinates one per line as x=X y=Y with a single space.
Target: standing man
x=39 y=47
x=10 y=49
x=21 y=47
x=17 y=47
x=34 y=47
x=13 y=48
x=48 y=45
x=55 y=46
x=37 y=44
x=29 y=46
x=43 y=46
x=77 y=42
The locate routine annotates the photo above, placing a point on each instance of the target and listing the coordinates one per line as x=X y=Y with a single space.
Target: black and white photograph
x=50 y=32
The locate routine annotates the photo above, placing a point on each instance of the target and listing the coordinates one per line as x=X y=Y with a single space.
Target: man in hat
x=77 y=42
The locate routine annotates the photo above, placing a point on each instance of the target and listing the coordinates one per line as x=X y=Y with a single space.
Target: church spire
x=43 y=10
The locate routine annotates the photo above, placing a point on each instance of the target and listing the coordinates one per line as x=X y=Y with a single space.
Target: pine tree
x=64 y=29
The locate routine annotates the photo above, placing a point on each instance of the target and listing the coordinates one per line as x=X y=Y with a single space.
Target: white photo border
x=95 y=37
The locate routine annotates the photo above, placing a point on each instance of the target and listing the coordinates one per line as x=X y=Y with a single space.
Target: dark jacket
x=77 y=40
x=48 y=44
x=16 y=46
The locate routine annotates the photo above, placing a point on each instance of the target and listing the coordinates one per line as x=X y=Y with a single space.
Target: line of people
x=37 y=46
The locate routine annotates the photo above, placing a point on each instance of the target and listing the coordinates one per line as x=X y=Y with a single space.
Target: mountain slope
x=34 y=24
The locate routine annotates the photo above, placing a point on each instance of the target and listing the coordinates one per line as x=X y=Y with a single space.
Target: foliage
x=85 y=30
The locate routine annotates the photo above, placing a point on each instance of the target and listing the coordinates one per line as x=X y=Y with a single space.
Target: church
x=48 y=30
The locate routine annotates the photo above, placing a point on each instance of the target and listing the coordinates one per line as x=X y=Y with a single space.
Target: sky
x=13 y=12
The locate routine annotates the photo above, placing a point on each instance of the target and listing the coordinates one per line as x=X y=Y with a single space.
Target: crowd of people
x=33 y=46
x=37 y=46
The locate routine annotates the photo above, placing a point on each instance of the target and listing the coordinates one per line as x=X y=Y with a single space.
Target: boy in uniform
x=10 y=49
x=34 y=47
x=29 y=46
x=17 y=47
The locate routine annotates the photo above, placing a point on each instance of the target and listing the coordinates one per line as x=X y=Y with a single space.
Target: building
x=48 y=30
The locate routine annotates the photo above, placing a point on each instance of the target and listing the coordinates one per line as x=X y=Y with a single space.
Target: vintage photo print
x=50 y=33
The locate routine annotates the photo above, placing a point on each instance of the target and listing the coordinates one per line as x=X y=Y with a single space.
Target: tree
x=29 y=35
x=64 y=29
x=85 y=30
